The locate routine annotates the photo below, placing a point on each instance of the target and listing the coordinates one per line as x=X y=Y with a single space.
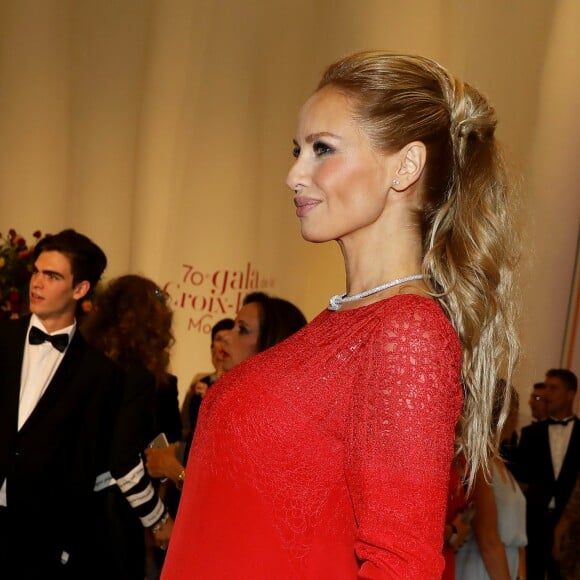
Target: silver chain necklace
x=339 y=299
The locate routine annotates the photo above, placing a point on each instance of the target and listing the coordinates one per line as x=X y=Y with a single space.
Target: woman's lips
x=304 y=205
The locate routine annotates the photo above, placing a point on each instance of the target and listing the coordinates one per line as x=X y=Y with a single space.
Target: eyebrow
x=245 y=324
x=314 y=136
x=51 y=272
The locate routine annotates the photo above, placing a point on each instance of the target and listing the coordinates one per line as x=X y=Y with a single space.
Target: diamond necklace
x=338 y=299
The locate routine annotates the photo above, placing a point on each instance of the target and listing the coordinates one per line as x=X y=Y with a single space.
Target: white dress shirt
x=559 y=436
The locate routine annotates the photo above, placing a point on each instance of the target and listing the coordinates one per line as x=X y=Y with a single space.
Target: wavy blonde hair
x=470 y=245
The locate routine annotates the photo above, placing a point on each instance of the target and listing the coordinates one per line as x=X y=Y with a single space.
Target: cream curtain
x=163 y=128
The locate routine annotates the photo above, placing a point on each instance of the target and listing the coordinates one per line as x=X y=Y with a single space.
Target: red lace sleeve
x=404 y=414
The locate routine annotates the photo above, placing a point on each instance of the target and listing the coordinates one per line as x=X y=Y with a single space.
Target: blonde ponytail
x=470 y=247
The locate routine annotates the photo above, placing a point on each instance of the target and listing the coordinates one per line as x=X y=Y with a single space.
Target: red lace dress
x=328 y=455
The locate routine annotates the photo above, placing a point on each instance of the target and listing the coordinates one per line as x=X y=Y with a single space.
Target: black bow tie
x=37 y=336
x=563 y=422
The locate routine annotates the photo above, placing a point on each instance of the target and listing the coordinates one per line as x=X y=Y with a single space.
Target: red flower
x=16 y=265
x=14 y=297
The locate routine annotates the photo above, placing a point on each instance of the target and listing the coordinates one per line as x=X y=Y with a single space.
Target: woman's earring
x=396 y=182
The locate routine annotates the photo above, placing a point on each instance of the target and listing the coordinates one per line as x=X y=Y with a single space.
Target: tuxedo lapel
x=573 y=451
x=62 y=390
x=544 y=450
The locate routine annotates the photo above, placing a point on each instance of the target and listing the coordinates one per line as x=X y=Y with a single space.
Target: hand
x=463 y=528
x=200 y=388
x=195 y=380
x=162 y=535
x=158 y=460
x=163 y=462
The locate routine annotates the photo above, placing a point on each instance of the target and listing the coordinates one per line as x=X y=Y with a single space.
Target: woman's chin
x=312 y=236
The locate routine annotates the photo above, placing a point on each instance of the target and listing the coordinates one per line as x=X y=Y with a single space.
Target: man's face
x=52 y=295
x=538 y=404
x=217 y=348
x=559 y=399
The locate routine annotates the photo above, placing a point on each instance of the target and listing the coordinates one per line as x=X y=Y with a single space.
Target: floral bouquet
x=16 y=263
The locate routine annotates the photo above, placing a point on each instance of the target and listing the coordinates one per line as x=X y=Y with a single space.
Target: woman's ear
x=410 y=164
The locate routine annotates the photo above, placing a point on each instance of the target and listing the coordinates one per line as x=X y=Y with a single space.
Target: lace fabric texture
x=328 y=455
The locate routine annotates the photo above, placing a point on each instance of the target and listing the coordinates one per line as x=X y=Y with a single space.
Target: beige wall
x=163 y=130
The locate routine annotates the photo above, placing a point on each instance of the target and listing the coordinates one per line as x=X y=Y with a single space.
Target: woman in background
x=262 y=322
x=201 y=381
x=496 y=548
x=131 y=323
x=328 y=455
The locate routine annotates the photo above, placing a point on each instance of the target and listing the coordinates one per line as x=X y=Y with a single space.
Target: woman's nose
x=296 y=177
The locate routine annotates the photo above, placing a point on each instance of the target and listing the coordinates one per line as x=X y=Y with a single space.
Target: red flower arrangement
x=16 y=263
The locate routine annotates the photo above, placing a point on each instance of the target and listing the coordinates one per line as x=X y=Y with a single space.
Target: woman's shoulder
x=415 y=329
x=413 y=302
x=411 y=313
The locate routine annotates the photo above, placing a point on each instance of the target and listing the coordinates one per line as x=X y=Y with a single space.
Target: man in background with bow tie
x=58 y=399
x=547 y=466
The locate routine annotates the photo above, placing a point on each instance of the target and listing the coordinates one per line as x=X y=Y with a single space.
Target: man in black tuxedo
x=537 y=402
x=58 y=399
x=547 y=466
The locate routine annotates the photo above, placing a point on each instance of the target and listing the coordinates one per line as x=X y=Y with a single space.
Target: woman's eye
x=240 y=328
x=295 y=151
x=321 y=148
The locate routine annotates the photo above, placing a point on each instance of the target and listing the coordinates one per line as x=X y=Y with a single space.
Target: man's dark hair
x=87 y=260
x=279 y=318
x=539 y=386
x=566 y=376
x=223 y=324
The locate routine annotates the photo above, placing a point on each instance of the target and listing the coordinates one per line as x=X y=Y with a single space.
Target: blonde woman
x=328 y=455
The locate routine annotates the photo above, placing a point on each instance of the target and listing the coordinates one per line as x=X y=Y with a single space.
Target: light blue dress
x=511 y=522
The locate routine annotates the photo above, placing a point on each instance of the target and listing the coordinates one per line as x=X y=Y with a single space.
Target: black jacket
x=51 y=463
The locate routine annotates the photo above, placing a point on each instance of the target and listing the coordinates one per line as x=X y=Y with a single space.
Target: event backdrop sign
x=202 y=296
